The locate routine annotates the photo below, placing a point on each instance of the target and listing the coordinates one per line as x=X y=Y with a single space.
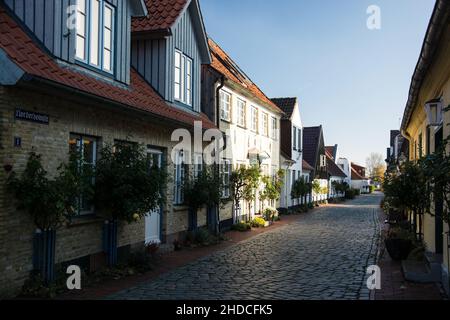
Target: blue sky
x=350 y=79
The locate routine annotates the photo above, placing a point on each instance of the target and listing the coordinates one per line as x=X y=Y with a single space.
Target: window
x=241 y=113
x=274 y=128
x=225 y=106
x=294 y=176
x=265 y=120
x=226 y=176
x=299 y=139
x=254 y=119
x=179 y=178
x=198 y=165
x=420 y=145
x=95 y=33
x=86 y=150
x=183 y=78
x=294 y=134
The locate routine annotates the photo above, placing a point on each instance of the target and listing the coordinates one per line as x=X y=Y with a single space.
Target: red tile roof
x=222 y=62
x=360 y=170
x=26 y=54
x=357 y=176
x=307 y=166
x=333 y=169
x=162 y=14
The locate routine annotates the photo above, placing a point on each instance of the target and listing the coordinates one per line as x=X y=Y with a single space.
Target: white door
x=153 y=219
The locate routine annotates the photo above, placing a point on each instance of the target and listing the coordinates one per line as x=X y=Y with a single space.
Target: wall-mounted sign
x=32 y=116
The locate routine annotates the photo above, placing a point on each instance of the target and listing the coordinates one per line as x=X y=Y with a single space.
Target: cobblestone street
x=323 y=255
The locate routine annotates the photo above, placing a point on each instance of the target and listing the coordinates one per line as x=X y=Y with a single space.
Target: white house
x=251 y=122
x=291 y=137
x=335 y=172
x=359 y=179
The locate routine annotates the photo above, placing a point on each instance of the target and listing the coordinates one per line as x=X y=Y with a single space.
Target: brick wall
x=51 y=141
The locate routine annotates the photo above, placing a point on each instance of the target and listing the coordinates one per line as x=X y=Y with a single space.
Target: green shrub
x=201 y=236
x=270 y=214
x=241 y=227
x=350 y=194
x=258 y=222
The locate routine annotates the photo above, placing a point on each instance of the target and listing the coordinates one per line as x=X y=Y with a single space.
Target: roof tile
x=138 y=95
x=222 y=62
x=162 y=14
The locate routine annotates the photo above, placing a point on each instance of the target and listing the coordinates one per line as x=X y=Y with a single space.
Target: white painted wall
x=297 y=156
x=243 y=139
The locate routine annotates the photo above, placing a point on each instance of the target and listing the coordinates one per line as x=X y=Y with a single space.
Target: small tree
x=244 y=183
x=127 y=188
x=272 y=187
x=203 y=190
x=407 y=190
x=49 y=202
x=316 y=188
x=437 y=171
x=300 y=188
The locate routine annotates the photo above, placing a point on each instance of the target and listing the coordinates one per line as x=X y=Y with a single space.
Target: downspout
x=217 y=107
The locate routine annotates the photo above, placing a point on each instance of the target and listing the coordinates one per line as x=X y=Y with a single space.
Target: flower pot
x=110 y=241
x=398 y=249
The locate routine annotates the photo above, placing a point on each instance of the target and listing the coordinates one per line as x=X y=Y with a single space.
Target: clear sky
x=352 y=80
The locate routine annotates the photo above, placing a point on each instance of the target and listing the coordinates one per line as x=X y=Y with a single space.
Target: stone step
x=419 y=271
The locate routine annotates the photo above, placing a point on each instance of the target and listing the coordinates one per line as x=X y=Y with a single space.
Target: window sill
x=84 y=220
x=225 y=120
x=180 y=207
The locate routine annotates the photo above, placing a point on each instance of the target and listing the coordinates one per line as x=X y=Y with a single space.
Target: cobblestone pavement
x=324 y=255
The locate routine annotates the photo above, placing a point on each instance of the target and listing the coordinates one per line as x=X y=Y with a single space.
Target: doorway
x=153 y=219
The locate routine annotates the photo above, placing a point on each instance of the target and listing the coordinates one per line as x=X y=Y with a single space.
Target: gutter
x=29 y=80
x=432 y=38
x=222 y=84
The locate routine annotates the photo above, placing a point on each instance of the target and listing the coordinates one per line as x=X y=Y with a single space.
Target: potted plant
x=49 y=202
x=399 y=243
x=205 y=190
x=127 y=188
x=272 y=188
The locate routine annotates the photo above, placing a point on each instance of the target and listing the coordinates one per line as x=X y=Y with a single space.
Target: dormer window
x=95 y=34
x=183 y=78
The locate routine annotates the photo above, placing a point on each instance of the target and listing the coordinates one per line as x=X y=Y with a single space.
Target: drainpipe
x=217 y=109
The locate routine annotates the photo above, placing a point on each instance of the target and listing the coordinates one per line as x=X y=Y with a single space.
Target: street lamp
x=433 y=108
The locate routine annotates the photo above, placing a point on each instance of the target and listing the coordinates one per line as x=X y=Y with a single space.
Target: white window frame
x=95 y=47
x=80 y=138
x=226 y=178
x=241 y=113
x=225 y=105
x=274 y=128
x=265 y=123
x=294 y=134
x=299 y=139
x=184 y=88
x=198 y=165
x=179 y=178
x=254 y=119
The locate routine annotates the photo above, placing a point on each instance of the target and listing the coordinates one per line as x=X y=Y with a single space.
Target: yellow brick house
x=425 y=124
